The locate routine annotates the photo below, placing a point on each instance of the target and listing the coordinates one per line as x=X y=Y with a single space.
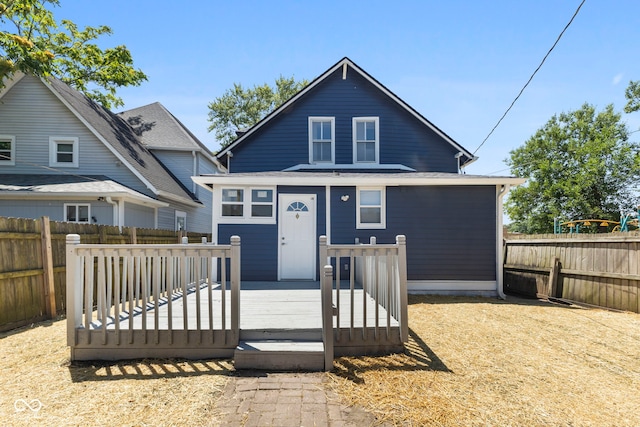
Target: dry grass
x=34 y=367
x=485 y=362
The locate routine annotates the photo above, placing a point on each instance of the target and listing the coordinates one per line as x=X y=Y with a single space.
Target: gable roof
x=345 y=63
x=114 y=132
x=158 y=129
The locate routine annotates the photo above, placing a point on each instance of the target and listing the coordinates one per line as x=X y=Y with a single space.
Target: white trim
x=383 y=209
x=346 y=166
x=246 y=203
x=453 y=287
x=315 y=119
x=327 y=213
x=354 y=123
x=337 y=180
x=12 y=150
x=77 y=206
x=343 y=62
x=53 y=151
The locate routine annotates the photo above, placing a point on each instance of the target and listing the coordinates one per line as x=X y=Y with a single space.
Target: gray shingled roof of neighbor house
x=115 y=131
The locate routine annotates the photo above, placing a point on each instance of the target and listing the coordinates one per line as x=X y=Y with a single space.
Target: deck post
x=326 y=290
x=235 y=287
x=401 y=241
x=322 y=253
x=74 y=291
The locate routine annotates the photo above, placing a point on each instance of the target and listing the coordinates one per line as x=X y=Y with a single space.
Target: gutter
x=501 y=191
x=116 y=211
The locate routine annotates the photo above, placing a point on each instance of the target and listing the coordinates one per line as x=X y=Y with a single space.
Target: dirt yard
x=469 y=362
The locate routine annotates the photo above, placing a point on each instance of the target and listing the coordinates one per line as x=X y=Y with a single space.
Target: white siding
x=138 y=216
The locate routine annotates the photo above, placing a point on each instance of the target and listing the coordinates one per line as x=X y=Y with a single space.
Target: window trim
x=12 y=140
x=313 y=119
x=247 y=203
x=53 y=151
x=178 y=215
x=354 y=122
x=77 y=205
x=383 y=209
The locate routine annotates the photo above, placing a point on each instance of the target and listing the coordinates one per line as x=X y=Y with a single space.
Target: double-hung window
x=370 y=208
x=366 y=144
x=7 y=150
x=247 y=204
x=63 y=151
x=321 y=139
x=77 y=213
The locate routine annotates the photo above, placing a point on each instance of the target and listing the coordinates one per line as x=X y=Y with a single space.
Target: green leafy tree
x=33 y=42
x=239 y=108
x=579 y=165
x=633 y=97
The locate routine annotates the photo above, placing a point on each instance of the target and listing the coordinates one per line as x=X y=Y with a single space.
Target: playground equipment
x=626 y=221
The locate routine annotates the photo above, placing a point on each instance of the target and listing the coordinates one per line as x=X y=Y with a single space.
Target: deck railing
x=119 y=290
x=381 y=271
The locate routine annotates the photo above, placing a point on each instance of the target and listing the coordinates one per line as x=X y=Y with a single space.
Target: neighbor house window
x=370 y=208
x=7 y=150
x=77 y=213
x=321 y=139
x=181 y=221
x=63 y=151
x=366 y=147
x=248 y=204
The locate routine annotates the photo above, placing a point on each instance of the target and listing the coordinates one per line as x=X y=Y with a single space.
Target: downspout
x=116 y=212
x=195 y=171
x=500 y=193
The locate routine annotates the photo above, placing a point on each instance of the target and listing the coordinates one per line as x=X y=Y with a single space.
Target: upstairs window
x=76 y=213
x=7 y=150
x=370 y=208
x=366 y=147
x=321 y=139
x=63 y=151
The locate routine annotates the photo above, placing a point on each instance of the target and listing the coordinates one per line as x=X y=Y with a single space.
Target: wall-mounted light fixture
x=344 y=198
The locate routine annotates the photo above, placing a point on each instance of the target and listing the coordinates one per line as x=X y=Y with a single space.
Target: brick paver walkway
x=285 y=399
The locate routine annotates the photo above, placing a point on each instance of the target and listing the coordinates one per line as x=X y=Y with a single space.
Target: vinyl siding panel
x=32 y=114
x=450 y=231
x=139 y=216
x=284 y=141
x=54 y=209
x=259 y=249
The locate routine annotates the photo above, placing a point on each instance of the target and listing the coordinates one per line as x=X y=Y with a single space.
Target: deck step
x=302 y=334
x=280 y=355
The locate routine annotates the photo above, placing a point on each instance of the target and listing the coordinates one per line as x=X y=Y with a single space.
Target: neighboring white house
x=64 y=156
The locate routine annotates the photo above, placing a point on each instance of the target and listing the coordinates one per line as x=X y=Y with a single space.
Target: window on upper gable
x=370 y=208
x=366 y=144
x=7 y=150
x=63 y=151
x=321 y=139
x=77 y=213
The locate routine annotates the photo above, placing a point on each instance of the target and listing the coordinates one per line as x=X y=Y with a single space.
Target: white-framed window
x=181 y=221
x=77 y=212
x=7 y=150
x=366 y=140
x=254 y=204
x=371 y=209
x=322 y=145
x=63 y=151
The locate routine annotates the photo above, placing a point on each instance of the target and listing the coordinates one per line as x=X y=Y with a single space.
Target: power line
x=532 y=75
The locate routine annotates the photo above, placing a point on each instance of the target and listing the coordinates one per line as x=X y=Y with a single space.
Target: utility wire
x=532 y=75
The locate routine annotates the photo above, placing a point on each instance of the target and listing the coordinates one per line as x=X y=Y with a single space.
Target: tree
x=579 y=165
x=239 y=108
x=633 y=97
x=33 y=42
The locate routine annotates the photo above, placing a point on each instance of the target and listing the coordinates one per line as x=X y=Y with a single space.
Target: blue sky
x=459 y=63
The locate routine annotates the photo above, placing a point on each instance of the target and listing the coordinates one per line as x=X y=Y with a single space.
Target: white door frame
x=282 y=206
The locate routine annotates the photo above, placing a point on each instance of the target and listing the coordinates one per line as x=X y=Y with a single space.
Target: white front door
x=297 y=236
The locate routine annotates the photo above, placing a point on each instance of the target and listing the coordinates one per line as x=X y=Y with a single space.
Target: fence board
x=601 y=270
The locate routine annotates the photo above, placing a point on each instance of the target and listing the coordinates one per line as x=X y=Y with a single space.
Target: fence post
x=47 y=266
x=552 y=286
x=327 y=315
x=401 y=241
x=235 y=287
x=134 y=236
x=74 y=291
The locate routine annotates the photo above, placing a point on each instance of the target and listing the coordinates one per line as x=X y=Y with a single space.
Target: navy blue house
x=347 y=158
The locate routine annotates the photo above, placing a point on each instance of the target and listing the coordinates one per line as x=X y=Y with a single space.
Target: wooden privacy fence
x=601 y=270
x=33 y=265
x=380 y=270
x=152 y=300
